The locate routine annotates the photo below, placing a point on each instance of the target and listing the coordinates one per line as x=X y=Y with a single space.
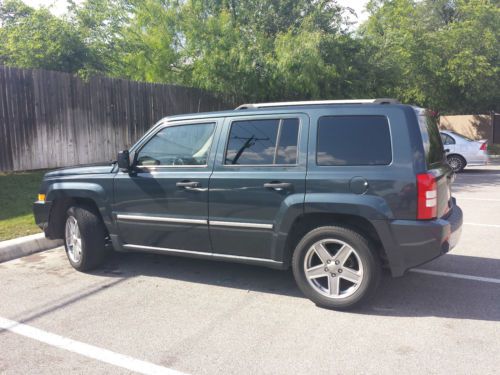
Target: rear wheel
x=456 y=162
x=336 y=268
x=84 y=238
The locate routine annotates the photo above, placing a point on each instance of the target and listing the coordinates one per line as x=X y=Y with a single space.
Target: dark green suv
x=334 y=189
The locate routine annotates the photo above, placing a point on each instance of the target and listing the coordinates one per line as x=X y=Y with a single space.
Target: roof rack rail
x=319 y=102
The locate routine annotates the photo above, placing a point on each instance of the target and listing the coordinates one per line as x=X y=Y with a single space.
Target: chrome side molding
x=163 y=219
x=240 y=224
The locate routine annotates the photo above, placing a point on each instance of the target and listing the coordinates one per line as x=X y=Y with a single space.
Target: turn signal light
x=41 y=197
x=426 y=197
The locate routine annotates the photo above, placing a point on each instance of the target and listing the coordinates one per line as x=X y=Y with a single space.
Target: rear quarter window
x=431 y=138
x=353 y=140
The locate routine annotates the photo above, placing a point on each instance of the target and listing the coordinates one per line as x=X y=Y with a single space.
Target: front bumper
x=409 y=243
x=41 y=211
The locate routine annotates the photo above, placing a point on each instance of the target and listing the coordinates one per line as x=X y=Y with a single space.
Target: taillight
x=426 y=196
x=483 y=147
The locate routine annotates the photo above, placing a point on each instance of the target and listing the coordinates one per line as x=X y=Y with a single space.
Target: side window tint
x=263 y=142
x=353 y=140
x=178 y=145
x=431 y=140
x=287 y=146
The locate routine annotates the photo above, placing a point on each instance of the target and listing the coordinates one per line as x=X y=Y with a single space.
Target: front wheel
x=336 y=267
x=84 y=238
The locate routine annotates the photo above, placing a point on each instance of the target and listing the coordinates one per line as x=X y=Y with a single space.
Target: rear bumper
x=409 y=243
x=481 y=158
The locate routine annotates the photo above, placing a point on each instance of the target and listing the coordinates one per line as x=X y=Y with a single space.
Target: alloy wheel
x=73 y=240
x=333 y=268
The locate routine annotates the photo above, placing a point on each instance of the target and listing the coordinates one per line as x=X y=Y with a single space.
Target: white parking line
x=484 y=225
x=86 y=350
x=457 y=275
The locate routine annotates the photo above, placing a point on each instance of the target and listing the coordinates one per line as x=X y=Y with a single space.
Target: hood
x=97 y=168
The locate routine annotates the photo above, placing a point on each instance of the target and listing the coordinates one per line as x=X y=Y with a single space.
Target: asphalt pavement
x=162 y=314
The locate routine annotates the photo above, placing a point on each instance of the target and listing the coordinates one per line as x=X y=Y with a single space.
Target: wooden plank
x=5 y=133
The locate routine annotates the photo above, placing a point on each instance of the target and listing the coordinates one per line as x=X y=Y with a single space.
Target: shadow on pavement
x=470 y=180
x=414 y=295
x=467 y=172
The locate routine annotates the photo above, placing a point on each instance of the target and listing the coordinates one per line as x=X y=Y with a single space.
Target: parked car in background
x=462 y=151
x=336 y=190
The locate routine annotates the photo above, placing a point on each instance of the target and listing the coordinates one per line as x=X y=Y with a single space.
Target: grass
x=18 y=191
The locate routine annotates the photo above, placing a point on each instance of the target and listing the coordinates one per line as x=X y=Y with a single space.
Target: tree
x=247 y=49
x=100 y=24
x=32 y=38
x=439 y=54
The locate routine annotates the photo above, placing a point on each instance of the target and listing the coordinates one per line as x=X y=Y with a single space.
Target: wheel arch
x=63 y=197
x=308 y=221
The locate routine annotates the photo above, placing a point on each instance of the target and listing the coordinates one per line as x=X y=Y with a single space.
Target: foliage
x=442 y=54
x=99 y=24
x=35 y=38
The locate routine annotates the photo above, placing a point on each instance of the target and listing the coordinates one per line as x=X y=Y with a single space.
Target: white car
x=462 y=151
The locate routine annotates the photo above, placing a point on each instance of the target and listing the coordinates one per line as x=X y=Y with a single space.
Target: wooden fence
x=52 y=119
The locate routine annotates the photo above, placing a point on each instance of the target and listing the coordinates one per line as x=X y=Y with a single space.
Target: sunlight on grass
x=18 y=191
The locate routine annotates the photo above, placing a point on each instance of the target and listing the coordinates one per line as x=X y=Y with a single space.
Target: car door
x=259 y=171
x=163 y=202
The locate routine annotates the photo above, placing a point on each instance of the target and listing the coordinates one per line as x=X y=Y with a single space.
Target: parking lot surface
x=154 y=314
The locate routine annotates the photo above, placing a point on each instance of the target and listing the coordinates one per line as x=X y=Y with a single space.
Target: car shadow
x=472 y=180
x=481 y=171
x=414 y=295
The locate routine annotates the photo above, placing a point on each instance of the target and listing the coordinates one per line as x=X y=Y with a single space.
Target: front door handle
x=278 y=185
x=188 y=184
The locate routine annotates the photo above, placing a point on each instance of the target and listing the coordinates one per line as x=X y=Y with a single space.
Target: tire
x=456 y=162
x=85 y=243
x=349 y=255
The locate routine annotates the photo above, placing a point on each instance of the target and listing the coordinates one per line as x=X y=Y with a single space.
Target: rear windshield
x=433 y=146
x=462 y=136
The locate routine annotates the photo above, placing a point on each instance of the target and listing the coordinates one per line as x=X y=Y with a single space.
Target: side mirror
x=123 y=160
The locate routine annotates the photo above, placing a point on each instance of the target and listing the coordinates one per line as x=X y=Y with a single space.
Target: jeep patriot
x=336 y=190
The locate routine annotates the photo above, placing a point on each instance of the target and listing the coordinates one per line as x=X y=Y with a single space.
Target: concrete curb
x=22 y=246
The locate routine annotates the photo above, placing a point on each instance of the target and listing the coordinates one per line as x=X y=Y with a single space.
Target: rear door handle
x=278 y=185
x=188 y=184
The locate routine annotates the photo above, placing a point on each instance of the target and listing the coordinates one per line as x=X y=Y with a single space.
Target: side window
x=447 y=140
x=263 y=142
x=353 y=140
x=178 y=145
x=287 y=144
